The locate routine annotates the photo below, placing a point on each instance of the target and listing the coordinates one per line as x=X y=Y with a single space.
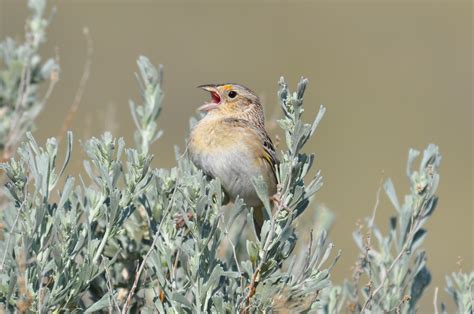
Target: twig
x=17 y=130
x=12 y=232
x=9 y=240
x=82 y=85
x=395 y=261
x=358 y=270
x=24 y=83
x=15 y=126
x=109 y=288
x=152 y=246
x=53 y=79
x=254 y=283
x=404 y=300
x=377 y=202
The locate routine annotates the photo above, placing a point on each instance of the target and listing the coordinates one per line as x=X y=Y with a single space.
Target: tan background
x=393 y=75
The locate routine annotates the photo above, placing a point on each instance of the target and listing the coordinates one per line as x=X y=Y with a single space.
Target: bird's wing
x=268 y=153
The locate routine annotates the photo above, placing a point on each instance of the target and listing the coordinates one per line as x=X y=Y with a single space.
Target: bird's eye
x=232 y=94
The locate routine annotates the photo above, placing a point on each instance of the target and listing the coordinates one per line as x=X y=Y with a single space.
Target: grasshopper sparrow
x=231 y=143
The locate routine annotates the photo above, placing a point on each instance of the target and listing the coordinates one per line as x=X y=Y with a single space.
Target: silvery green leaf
x=67 y=190
x=430 y=207
x=317 y=120
x=301 y=87
x=231 y=274
x=392 y=195
x=262 y=191
x=430 y=156
x=418 y=239
x=321 y=239
x=212 y=280
x=358 y=240
x=104 y=302
x=218 y=304
x=333 y=300
x=247 y=267
x=284 y=124
x=324 y=218
x=325 y=256
x=420 y=282
x=11 y=286
x=252 y=251
x=181 y=300
x=412 y=155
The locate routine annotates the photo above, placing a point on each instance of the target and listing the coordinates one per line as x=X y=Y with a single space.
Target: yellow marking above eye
x=268 y=157
x=227 y=87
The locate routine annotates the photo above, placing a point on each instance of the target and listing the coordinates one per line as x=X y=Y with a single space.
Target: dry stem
x=82 y=85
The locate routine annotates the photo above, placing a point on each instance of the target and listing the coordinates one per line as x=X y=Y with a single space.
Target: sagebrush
x=128 y=237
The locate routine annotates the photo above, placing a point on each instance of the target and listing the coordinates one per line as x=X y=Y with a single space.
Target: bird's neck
x=253 y=115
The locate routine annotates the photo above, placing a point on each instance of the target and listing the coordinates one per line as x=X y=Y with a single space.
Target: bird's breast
x=212 y=136
x=227 y=154
x=216 y=147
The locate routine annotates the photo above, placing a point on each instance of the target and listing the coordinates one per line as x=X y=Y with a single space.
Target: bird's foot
x=278 y=202
x=276 y=199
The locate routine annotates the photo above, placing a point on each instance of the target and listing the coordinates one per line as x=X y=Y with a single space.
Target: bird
x=231 y=143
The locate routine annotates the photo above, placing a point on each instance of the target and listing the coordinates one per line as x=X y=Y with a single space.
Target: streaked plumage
x=231 y=143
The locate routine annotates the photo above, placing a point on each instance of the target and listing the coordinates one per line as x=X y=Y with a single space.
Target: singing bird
x=231 y=143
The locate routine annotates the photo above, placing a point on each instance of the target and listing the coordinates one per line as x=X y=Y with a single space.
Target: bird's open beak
x=216 y=98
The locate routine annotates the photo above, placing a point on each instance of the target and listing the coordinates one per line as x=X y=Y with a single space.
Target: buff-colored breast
x=233 y=153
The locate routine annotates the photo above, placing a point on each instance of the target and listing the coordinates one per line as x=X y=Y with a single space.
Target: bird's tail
x=258 y=219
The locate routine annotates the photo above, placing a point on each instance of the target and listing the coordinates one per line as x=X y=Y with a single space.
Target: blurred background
x=393 y=75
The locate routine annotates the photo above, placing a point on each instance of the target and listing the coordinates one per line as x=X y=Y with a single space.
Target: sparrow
x=230 y=143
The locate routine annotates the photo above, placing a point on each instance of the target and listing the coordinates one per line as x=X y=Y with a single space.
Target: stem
x=12 y=230
x=254 y=283
x=395 y=261
x=82 y=85
x=109 y=288
x=377 y=202
x=101 y=246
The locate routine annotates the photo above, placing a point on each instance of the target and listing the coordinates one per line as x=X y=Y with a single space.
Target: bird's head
x=230 y=99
